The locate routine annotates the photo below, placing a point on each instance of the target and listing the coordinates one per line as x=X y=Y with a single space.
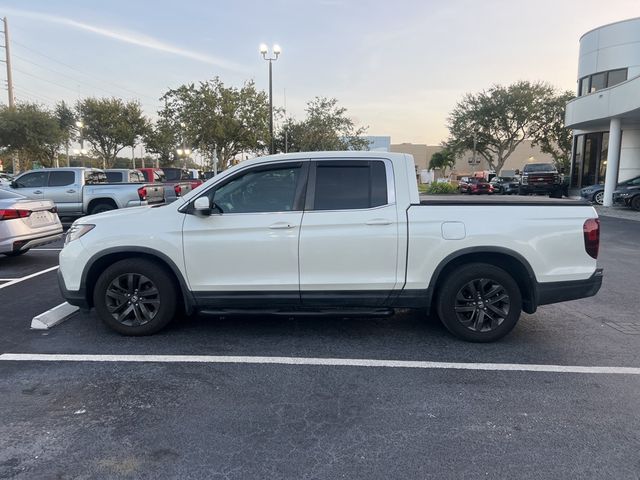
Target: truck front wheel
x=135 y=297
x=479 y=302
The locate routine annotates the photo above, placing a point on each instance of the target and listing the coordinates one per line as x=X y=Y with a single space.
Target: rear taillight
x=178 y=190
x=591 y=230
x=11 y=214
x=142 y=193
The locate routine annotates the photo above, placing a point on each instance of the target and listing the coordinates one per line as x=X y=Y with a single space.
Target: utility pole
x=7 y=50
x=12 y=99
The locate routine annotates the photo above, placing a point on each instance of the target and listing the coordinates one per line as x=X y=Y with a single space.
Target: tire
x=598 y=197
x=16 y=254
x=149 y=284
x=472 y=321
x=101 y=207
x=522 y=191
x=635 y=202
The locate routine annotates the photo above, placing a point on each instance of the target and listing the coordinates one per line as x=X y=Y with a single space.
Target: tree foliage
x=442 y=160
x=161 y=139
x=499 y=119
x=32 y=132
x=326 y=127
x=219 y=121
x=110 y=124
x=551 y=135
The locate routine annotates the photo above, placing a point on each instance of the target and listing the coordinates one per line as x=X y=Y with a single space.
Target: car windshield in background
x=6 y=195
x=175 y=174
x=539 y=167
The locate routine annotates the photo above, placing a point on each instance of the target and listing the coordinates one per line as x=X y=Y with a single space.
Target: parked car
x=505 y=185
x=628 y=194
x=541 y=178
x=327 y=233
x=78 y=191
x=473 y=185
x=595 y=193
x=172 y=189
x=5 y=179
x=26 y=223
x=155 y=192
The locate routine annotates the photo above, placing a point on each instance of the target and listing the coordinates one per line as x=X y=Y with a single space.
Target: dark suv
x=540 y=178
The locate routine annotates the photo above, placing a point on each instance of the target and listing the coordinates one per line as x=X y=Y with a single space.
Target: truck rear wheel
x=479 y=302
x=101 y=207
x=135 y=297
x=635 y=202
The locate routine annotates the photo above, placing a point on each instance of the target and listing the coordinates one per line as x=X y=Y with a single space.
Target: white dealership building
x=605 y=116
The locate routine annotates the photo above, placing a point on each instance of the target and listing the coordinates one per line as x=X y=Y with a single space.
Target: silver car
x=26 y=223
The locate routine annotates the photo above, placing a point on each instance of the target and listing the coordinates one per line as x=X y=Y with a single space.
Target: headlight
x=77 y=231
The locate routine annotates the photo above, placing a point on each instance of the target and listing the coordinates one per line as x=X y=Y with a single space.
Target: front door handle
x=37 y=192
x=379 y=221
x=71 y=190
x=281 y=226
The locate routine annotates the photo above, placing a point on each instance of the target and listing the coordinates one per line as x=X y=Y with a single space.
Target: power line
x=83 y=72
x=74 y=90
x=74 y=78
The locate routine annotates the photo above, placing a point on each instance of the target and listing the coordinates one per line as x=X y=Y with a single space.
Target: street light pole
x=264 y=50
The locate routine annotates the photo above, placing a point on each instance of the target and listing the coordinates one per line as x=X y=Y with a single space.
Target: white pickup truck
x=331 y=233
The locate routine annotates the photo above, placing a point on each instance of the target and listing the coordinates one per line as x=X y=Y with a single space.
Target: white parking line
x=13 y=281
x=332 y=362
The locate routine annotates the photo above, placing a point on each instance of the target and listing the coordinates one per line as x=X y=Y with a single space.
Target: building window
x=615 y=77
x=598 y=81
x=589 y=165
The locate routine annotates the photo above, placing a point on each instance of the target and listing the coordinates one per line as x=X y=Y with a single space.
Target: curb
x=53 y=316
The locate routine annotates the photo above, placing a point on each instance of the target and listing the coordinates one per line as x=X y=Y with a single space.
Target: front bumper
x=73 y=297
x=554 y=292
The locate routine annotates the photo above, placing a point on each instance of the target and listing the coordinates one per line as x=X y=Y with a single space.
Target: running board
x=351 y=312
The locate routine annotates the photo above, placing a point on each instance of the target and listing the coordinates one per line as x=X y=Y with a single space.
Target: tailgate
x=155 y=193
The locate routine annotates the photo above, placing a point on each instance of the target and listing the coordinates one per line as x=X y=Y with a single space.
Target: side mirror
x=202 y=206
x=13 y=184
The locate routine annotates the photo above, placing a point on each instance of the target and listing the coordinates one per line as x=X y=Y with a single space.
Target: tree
x=442 y=160
x=67 y=122
x=110 y=125
x=498 y=119
x=32 y=132
x=161 y=139
x=551 y=135
x=219 y=121
x=326 y=127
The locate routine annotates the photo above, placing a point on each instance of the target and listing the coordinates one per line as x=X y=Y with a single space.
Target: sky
x=399 y=67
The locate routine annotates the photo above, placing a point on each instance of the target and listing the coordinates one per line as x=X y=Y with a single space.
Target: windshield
x=173 y=174
x=540 y=167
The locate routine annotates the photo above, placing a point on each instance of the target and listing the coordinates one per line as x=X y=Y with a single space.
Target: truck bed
x=499 y=200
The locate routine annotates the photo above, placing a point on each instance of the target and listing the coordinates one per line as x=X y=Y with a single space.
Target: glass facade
x=598 y=81
x=589 y=165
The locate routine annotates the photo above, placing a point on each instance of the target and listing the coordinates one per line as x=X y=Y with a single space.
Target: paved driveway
x=173 y=417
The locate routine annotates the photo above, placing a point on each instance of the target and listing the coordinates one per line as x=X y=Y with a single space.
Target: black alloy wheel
x=478 y=302
x=132 y=299
x=482 y=305
x=136 y=296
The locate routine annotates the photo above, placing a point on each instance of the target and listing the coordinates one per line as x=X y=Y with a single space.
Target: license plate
x=40 y=218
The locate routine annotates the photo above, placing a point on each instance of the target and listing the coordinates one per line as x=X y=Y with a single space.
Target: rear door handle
x=71 y=191
x=379 y=221
x=281 y=226
x=37 y=192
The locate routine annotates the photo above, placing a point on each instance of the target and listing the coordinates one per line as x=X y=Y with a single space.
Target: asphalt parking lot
x=175 y=417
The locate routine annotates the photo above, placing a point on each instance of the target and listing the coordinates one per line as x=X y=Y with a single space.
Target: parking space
x=232 y=411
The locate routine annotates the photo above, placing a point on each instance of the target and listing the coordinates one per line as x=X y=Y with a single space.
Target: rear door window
x=61 y=178
x=348 y=185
